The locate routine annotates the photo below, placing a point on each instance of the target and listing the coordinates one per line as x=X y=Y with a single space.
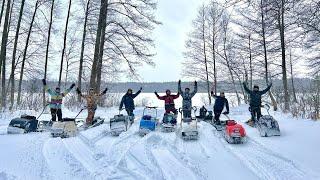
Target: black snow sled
x=26 y=124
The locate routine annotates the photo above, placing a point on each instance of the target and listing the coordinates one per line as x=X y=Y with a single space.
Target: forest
x=96 y=42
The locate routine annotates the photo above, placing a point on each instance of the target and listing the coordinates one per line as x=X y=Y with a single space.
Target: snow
x=95 y=154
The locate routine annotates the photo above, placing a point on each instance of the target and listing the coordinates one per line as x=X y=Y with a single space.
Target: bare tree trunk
x=3 y=53
x=25 y=52
x=250 y=58
x=2 y=8
x=263 y=26
x=205 y=54
x=47 y=52
x=82 y=48
x=101 y=48
x=229 y=66
x=93 y=76
x=13 y=62
x=64 y=42
x=283 y=56
x=292 y=81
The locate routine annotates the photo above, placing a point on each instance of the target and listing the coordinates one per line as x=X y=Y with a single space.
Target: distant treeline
x=302 y=84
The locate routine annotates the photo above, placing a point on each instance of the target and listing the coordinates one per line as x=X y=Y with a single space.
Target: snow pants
x=56 y=113
x=130 y=112
x=170 y=108
x=91 y=112
x=255 y=113
x=217 y=114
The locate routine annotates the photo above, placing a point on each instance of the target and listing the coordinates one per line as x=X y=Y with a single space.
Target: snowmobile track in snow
x=263 y=162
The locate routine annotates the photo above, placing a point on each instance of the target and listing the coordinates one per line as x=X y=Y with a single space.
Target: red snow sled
x=234 y=133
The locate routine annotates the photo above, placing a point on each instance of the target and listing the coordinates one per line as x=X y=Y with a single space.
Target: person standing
x=56 y=100
x=169 y=101
x=219 y=104
x=92 y=99
x=255 y=101
x=128 y=101
x=187 y=98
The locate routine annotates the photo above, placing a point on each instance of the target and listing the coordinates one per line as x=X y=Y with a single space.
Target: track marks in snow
x=61 y=162
x=265 y=163
x=168 y=164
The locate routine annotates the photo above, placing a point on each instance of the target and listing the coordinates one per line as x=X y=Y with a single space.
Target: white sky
x=176 y=17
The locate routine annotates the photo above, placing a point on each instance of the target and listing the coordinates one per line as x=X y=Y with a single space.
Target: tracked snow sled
x=27 y=123
x=64 y=129
x=188 y=126
x=69 y=127
x=169 y=122
x=148 y=121
x=120 y=123
x=233 y=132
x=267 y=125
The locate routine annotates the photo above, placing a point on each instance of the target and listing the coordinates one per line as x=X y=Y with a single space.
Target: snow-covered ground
x=95 y=154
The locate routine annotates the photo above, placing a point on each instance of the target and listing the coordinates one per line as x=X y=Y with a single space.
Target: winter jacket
x=128 y=102
x=168 y=99
x=56 y=98
x=92 y=100
x=255 y=96
x=220 y=103
x=186 y=97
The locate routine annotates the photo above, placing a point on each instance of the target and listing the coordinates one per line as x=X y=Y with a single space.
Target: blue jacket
x=128 y=102
x=220 y=103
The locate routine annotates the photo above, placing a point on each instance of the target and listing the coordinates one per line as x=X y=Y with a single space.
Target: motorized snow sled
x=69 y=127
x=233 y=132
x=267 y=125
x=120 y=123
x=27 y=123
x=64 y=129
x=148 y=121
x=189 y=125
x=169 y=122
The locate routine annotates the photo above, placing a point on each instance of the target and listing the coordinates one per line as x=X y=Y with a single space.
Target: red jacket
x=168 y=99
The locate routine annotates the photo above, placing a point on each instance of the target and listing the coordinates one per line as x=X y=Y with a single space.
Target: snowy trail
x=263 y=162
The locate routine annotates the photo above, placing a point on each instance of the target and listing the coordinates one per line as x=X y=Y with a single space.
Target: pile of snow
x=95 y=154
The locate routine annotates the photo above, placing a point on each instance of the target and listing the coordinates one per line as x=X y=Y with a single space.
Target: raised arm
x=68 y=90
x=137 y=93
x=179 y=88
x=46 y=88
x=195 y=90
x=267 y=89
x=246 y=88
x=213 y=95
x=103 y=92
x=159 y=97
x=176 y=96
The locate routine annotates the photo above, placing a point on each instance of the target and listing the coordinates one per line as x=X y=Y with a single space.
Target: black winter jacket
x=255 y=96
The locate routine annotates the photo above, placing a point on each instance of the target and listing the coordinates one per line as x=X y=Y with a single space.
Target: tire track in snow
x=263 y=162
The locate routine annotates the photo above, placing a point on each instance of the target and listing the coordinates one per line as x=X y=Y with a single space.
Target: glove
x=105 y=91
x=225 y=113
x=44 y=82
x=195 y=82
x=155 y=92
x=72 y=85
x=179 y=81
x=140 y=88
x=78 y=91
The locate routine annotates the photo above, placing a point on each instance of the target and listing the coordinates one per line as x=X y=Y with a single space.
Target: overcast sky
x=176 y=17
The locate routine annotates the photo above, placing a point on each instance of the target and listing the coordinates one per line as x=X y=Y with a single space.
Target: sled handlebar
x=44 y=108
x=151 y=107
